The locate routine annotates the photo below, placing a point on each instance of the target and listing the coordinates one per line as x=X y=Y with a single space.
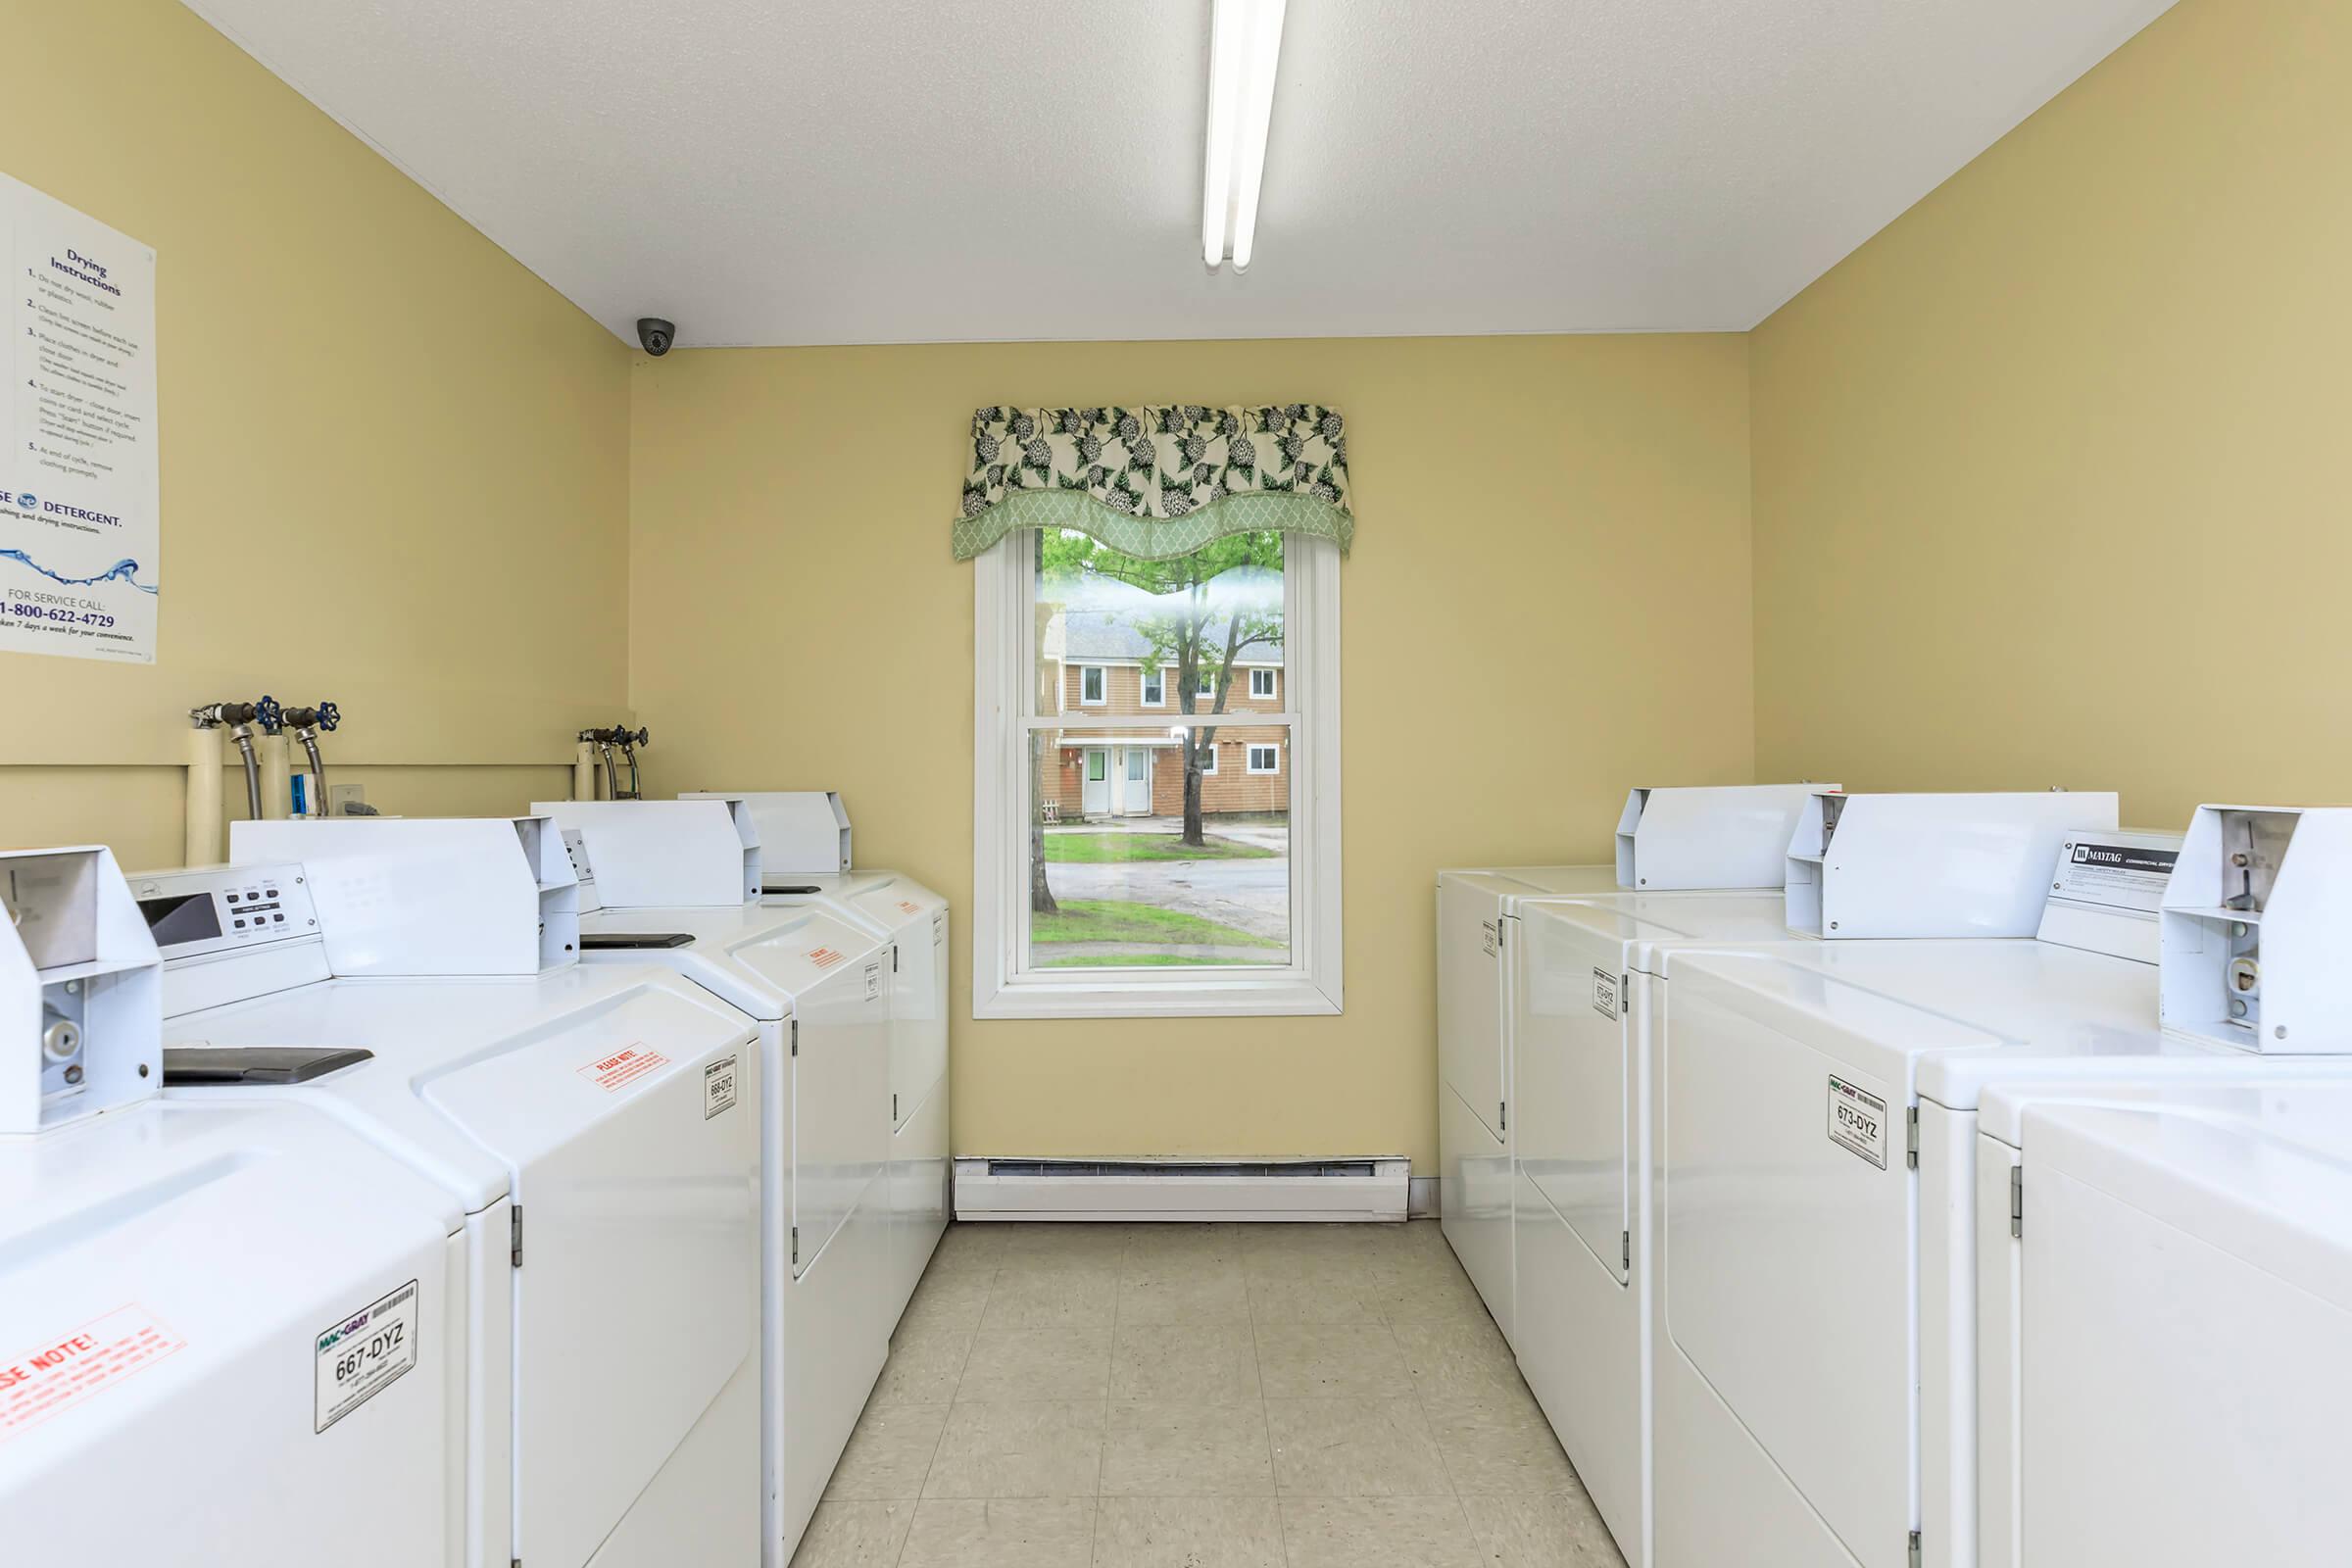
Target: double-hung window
x=1115 y=873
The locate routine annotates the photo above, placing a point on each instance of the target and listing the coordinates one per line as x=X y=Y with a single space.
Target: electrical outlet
x=341 y=797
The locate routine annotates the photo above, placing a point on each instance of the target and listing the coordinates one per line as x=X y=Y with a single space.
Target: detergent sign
x=79 y=531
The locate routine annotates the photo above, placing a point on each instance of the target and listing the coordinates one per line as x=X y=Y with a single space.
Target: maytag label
x=2115 y=876
x=1607 y=999
x=1858 y=1122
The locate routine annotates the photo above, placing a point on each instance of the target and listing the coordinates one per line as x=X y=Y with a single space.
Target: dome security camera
x=656 y=334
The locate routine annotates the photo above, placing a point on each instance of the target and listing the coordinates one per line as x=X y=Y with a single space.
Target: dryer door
x=632 y=1129
x=1571 y=1077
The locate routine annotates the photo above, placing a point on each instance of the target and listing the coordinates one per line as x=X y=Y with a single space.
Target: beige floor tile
x=889 y=1453
x=1188 y=1532
x=1206 y=1363
x=1057 y=1296
x=1019 y=1448
x=924 y=1367
x=1378 y=1533
x=1331 y=1361
x=1498 y=1446
x=1209 y=1290
x=1320 y=1295
x=854 y=1534
x=1459 y=1361
x=1423 y=1291
x=1102 y=1246
x=952 y=1300
x=1037 y=1365
x=1167 y=1449
x=1354 y=1448
x=967 y=1249
x=1560 y=1530
x=1004 y=1533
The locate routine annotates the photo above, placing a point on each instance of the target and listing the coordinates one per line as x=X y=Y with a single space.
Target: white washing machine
x=2166 y=1323
x=1671 y=834
x=819 y=985
x=215 y=1321
x=596 y=1127
x=1816 y=1127
x=1586 y=992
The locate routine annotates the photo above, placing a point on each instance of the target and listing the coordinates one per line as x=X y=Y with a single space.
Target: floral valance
x=1156 y=482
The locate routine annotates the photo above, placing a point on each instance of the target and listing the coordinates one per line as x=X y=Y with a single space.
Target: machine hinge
x=1502 y=1116
x=894 y=1110
x=1625 y=1250
x=1914 y=1549
x=514 y=1235
x=796 y=1037
x=894 y=957
x=796 y=1247
x=2016 y=1200
x=1911 y=1138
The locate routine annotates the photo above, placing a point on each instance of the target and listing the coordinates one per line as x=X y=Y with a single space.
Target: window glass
x=1261 y=683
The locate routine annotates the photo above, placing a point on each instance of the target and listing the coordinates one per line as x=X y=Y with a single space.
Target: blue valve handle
x=269 y=713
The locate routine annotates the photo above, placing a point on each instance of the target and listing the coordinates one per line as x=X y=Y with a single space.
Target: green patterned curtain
x=1156 y=482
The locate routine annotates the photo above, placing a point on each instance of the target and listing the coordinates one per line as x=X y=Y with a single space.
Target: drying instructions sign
x=366 y=1353
x=79 y=535
x=60 y=1373
x=1858 y=1120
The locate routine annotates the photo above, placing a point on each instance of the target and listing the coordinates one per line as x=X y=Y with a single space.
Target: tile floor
x=1202 y=1397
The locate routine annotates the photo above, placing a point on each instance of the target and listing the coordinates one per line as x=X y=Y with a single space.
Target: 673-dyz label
x=1858 y=1120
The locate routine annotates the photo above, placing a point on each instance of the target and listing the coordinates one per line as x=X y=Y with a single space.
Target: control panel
x=221 y=909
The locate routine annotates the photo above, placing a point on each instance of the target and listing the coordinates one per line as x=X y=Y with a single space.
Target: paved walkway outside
x=1239 y=1395
x=1250 y=895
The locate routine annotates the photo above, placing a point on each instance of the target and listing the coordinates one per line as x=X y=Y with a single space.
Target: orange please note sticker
x=42 y=1379
x=825 y=958
x=622 y=1066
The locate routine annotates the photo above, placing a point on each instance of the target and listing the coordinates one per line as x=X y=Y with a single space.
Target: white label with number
x=1858 y=1120
x=1607 y=1001
x=366 y=1353
x=719 y=1087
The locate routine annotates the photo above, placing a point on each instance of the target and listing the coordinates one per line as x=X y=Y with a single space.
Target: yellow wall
x=796 y=622
x=2051 y=476
x=395 y=465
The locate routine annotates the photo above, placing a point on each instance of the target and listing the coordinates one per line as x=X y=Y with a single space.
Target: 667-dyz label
x=365 y=1354
x=1858 y=1120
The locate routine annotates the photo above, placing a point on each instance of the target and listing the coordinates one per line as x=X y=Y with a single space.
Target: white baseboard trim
x=1339 y=1190
x=1421 y=1200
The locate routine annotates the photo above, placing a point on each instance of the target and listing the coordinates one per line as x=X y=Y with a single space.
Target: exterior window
x=1117 y=870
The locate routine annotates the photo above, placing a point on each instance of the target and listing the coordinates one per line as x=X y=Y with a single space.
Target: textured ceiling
x=902 y=172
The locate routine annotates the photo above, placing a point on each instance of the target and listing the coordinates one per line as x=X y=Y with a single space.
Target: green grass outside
x=1143 y=961
x=1121 y=920
x=1097 y=849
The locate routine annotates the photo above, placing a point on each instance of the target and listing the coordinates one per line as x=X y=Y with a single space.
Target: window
x=1261 y=683
x=1109 y=890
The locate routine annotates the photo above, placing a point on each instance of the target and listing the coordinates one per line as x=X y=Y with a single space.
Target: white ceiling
x=918 y=171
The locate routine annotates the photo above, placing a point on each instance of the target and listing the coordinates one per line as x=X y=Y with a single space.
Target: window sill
x=1143 y=996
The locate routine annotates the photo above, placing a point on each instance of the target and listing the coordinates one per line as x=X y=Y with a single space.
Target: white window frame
x=1207 y=678
x=1258 y=696
x=1102 y=699
x=1144 y=687
x=1208 y=760
x=1250 y=757
x=1004 y=660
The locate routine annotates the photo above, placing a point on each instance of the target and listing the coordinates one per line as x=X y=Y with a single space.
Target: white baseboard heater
x=1324 y=1190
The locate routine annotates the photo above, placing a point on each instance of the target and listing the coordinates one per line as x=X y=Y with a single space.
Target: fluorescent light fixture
x=1245 y=43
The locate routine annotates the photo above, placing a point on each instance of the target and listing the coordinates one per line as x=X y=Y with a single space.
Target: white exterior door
x=1138 y=801
x=1094 y=800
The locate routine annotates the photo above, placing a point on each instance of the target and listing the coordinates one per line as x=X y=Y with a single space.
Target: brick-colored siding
x=1123 y=715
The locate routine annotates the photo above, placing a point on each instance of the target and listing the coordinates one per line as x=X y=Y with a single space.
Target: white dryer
x=214 y=1320
x=818 y=984
x=1670 y=834
x=590 y=1123
x=1816 y=1126
x=2166 y=1322
x=1588 y=991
